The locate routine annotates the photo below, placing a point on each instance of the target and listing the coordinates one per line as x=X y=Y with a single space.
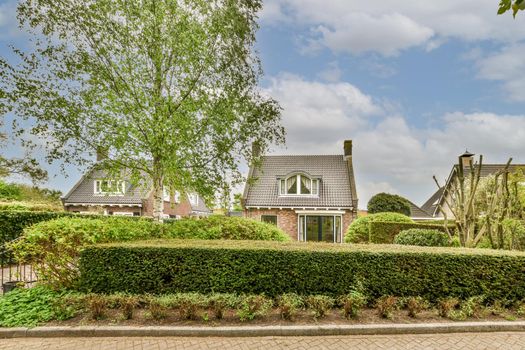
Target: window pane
x=269 y=219
x=312 y=228
x=338 y=229
x=291 y=184
x=283 y=187
x=328 y=229
x=306 y=185
x=301 y=228
x=315 y=186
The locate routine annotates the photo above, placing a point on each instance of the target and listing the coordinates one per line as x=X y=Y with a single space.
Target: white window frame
x=176 y=197
x=122 y=213
x=301 y=221
x=314 y=190
x=97 y=187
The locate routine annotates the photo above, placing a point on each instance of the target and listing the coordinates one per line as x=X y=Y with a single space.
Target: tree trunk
x=158 y=200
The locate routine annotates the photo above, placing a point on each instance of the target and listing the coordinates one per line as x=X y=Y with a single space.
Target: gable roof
x=83 y=192
x=431 y=204
x=417 y=212
x=336 y=188
x=486 y=170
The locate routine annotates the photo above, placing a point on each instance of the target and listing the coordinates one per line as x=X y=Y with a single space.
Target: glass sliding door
x=320 y=228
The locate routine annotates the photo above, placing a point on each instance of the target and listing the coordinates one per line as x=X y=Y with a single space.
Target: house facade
x=310 y=197
x=96 y=193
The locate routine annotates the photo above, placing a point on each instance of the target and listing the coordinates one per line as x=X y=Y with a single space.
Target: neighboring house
x=94 y=192
x=436 y=205
x=418 y=213
x=310 y=197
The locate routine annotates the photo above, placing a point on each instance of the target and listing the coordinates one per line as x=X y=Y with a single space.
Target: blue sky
x=413 y=83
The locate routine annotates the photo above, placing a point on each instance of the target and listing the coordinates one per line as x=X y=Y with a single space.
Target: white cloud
x=388 y=27
x=389 y=155
x=506 y=66
x=332 y=73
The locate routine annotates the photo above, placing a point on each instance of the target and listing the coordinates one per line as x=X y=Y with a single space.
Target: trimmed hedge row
x=275 y=268
x=12 y=223
x=383 y=232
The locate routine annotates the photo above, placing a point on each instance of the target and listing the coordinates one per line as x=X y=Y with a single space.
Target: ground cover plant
x=39 y=305
x=275 y=268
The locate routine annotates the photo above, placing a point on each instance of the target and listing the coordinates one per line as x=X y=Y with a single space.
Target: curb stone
x=261 y=331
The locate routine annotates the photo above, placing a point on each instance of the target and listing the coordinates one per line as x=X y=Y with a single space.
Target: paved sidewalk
x=454 y=341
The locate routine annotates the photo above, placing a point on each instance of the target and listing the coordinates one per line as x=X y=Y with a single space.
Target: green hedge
x=273 y=268
x=12 y=223
x=422 y=237
x=383 y=232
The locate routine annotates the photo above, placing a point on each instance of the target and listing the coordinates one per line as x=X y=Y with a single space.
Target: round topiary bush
x=422 y=237
x=359 y=229
x=386 y=202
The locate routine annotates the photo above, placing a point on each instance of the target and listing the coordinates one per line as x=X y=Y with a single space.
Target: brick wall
x=287 y=219
x=171 y=208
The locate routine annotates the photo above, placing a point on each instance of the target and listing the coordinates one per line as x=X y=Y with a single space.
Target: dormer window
x=299 y=185
x=110 y=187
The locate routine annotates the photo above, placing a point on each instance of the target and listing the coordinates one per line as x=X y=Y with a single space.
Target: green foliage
x=386 y=202
x=9 y=191
x=415 y=305
x=422 y=237
x=472 y=306
x=252 y=306
x=359 y=230
x=12 y=223
x=31 y=307
x=320 y=305
x=386 y=231
x=224 y=227
x=289 y=304
x=386 y=305
x=53 y=246
x=189 y=304
x=97 y=305
x=157 y=308
x=219 y=302
x=274 y=268
x=178 y=104
x=352 y=303
x=447 y=305
x=506 y=5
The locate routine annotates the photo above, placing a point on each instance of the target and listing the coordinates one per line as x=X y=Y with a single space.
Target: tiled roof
x=417 y=212
x=83 y=192
x=335 y=190
x=430 y=205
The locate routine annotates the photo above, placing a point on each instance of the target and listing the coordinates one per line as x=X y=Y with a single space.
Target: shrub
x=473 y=306
x=274 y=268
x=157 y=308
x=415 y=305
x=97 y=305
x=352 y=303
x=12 y=223
x=219 y=302
x=33 y=306
x=224 y=227
x=320 y=304
x=422 y=237
x=53 y=246
x=289 y=304
x=447 y=305
x=189 y=304
x=386 y=202
x=252 y=306
x=386 y=305
x=127 y=304
x=359 y=230
x=386 y=231
x=10 y=191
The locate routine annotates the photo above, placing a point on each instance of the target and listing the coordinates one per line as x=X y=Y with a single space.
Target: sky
x=412 y=83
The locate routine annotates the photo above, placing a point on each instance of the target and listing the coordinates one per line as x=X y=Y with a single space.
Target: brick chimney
x=347 y=148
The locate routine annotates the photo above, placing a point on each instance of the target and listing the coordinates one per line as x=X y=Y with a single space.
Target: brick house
x=310 y=197
x=94 y=192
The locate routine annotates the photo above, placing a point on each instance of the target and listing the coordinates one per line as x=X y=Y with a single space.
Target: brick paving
x=456 y=341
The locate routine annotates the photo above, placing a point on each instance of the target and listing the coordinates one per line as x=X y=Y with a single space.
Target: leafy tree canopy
x=514 y=5
x=167 y=89
x=386 y=202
